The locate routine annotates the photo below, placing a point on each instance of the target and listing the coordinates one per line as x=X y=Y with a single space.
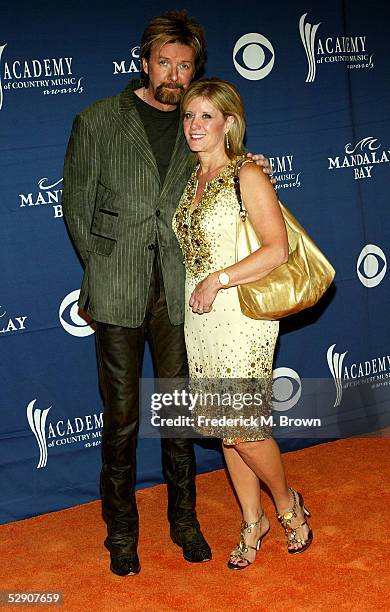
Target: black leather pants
x=120 y=352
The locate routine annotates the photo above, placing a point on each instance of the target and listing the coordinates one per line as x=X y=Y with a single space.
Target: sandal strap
x=239 y=552
x=249 y=526
x=242 y=547
x=286 y=518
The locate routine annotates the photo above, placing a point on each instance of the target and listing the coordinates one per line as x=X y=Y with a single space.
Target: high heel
x=291 y=532
x=242 y=548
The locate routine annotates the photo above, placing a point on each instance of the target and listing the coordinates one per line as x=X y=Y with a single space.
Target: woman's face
x=205 y=126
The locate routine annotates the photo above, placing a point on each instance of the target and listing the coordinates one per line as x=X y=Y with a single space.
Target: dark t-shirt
x=161 y=129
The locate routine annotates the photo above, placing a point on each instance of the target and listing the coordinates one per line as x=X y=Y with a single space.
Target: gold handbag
x=295 y=285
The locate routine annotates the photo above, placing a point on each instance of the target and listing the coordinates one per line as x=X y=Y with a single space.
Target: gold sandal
x=291 y=532
x=242 y=548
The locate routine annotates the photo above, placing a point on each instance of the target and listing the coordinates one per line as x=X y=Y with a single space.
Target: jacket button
x=151 y=247
x=158 y=213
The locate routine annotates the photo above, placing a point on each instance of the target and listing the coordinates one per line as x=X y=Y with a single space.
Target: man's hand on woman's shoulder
x=264 y=163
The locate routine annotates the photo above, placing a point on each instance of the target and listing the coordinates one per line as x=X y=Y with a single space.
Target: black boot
x=122 y=538
x=194 y=546
x=119 y=351
x=178 y=461
x=125 y=564
x=119 y=509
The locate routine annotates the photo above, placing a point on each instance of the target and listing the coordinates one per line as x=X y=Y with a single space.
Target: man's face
x=170 y=69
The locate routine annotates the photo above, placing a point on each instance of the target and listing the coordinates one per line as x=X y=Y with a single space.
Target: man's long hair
x=171 y=27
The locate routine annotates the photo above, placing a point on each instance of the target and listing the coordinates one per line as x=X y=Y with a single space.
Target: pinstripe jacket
x=116 y=210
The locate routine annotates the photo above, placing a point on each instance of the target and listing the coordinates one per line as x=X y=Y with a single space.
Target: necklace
x=211 y=174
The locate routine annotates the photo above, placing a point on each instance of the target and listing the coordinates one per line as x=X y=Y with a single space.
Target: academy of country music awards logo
x=371 y=268
x=349 y=50
x=47 y=193
x=254 y=54
x=84 y=431
x=285 y=172
x=130 y=65
x=361 y=157
x=51 y=76
x=375 y=371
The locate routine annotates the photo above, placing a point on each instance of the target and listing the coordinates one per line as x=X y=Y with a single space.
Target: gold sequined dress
x=225 y=348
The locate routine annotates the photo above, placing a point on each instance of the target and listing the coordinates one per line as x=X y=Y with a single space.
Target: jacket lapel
x=180 y=158
x=132 y=127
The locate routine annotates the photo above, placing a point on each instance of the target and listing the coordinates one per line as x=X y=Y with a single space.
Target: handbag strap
x=236 y=181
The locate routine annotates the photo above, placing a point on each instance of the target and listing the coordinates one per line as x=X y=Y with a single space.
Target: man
x=125 y=168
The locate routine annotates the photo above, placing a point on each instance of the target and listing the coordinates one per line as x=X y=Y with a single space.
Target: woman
x=223 y=344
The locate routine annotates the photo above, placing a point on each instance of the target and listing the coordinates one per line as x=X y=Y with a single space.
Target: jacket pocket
x=105 y=222
x=104 y=229
x=100 y=245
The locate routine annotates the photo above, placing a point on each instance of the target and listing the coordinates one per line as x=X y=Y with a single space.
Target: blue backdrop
x=315 y=78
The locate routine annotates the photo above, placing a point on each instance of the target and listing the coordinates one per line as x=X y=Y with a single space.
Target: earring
x=227 y=140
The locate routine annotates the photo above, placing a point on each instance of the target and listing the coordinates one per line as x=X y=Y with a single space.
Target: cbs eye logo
x=286 y=389
x=253 y=56
x=76 y=326
x=371 y=265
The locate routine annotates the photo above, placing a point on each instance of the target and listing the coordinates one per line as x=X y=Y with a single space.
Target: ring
x=200 y=311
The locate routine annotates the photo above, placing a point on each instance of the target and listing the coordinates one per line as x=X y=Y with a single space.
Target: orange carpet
x=345 y=484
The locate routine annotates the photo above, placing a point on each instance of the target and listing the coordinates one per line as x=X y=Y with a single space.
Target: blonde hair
x=225 y=97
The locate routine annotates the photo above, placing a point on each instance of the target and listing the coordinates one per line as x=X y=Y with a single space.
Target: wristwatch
x=224 y=278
